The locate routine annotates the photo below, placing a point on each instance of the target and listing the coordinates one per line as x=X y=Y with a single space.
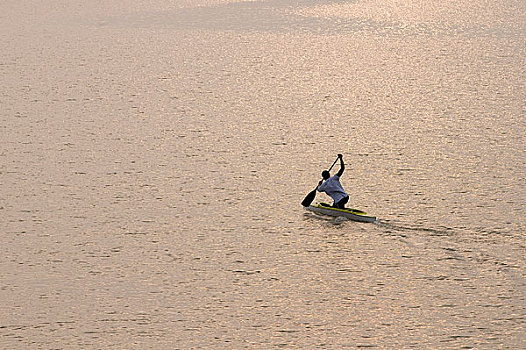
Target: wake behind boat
x=349 y=213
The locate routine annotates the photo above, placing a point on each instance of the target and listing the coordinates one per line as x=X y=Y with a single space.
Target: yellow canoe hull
x=351 y=214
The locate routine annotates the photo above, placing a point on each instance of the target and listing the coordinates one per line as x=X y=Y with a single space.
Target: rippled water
x=154 y=155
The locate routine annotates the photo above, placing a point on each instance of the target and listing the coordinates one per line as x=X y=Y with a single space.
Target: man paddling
x=333 y=187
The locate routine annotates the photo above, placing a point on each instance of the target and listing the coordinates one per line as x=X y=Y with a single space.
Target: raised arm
x=342 y=166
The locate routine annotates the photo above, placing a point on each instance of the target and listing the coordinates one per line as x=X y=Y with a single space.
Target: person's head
x=325 y=174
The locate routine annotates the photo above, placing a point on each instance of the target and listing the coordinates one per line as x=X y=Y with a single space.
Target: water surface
x=154 y=155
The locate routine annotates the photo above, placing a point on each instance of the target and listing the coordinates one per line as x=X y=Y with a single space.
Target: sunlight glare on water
x=155 y=154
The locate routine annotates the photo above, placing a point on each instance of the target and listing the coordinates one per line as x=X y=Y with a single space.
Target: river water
x=154 y=155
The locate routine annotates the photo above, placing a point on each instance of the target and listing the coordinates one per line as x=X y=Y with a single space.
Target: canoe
x=351 y=214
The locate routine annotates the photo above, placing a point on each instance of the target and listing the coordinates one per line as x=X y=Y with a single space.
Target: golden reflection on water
x=452 y=13
x=155 y=155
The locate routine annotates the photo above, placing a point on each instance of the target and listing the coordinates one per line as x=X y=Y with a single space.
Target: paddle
x=310 y=197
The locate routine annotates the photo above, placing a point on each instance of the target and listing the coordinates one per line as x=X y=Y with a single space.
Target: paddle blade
x=309 y=198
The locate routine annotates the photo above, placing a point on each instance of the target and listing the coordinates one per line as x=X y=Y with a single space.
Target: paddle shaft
x=334 y=163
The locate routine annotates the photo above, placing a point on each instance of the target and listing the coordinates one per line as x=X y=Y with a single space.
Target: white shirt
x=333 y=188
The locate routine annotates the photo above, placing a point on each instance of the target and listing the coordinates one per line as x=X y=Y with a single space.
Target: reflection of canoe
x=351 y=214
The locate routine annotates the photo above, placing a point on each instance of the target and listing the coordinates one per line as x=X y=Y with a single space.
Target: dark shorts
x=341 y=203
